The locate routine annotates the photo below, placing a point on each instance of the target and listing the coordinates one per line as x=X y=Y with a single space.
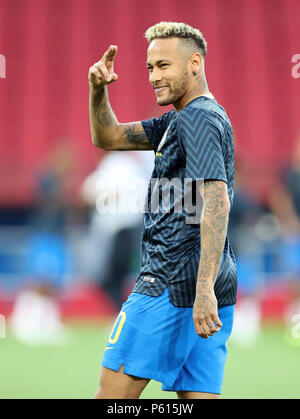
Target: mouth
x=160 y=89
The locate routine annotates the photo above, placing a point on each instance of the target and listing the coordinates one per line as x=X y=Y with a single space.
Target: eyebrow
x=158 y=62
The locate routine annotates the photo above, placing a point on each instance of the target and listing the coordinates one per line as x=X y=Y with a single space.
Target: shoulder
x=199 y=119
x=169 y=115
x=166 y=119
x=160 y=123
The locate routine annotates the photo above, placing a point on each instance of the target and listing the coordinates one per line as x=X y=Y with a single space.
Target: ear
x=196 y=62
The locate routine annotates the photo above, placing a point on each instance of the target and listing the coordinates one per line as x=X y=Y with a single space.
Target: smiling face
x=170 y=71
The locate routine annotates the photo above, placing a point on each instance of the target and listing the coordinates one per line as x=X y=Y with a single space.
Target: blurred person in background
x=284 y=197
x=244 y=215
x=36 y=316
x=114 y=235
x=246 y=210
x=285 y=204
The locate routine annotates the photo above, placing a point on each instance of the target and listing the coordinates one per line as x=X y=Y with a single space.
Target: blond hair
x=183 y=31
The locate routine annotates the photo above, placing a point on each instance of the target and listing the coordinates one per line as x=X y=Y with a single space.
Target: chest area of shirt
x=169 y=157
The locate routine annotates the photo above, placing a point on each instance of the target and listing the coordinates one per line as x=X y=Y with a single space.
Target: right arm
x=106 y=131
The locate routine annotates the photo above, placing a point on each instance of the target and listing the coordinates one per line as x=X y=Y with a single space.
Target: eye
x=164 y=65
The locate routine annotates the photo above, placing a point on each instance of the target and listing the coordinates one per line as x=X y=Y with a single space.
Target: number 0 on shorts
x=117 y=328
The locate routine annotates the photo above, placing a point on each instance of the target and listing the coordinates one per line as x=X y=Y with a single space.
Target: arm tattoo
x=213 y=232
x=135 y=135
x=129 y=136
x=98 y=98
x=102 y=111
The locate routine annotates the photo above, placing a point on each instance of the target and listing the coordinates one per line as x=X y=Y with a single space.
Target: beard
x=177 y=90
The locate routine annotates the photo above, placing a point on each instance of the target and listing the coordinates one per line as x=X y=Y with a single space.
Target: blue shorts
x=154 y=339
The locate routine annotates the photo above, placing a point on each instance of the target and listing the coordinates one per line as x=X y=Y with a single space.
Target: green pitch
x=269 y=369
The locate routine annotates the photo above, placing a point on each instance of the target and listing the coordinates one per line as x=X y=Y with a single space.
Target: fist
x=102 y=72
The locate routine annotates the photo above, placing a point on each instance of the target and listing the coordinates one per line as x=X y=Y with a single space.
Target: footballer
x=174 y=326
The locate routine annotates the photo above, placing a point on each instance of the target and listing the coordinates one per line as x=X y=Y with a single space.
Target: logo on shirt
x=149 y=279
x=163 y=140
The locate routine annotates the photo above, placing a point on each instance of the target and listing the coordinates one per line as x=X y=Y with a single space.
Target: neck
x=198 y=88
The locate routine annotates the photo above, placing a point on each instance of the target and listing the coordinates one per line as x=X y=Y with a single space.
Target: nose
x=155 y=75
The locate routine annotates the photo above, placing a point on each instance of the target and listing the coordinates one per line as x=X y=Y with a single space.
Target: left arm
x=213 y=228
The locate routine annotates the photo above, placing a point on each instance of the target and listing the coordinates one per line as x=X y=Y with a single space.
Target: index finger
x=110 y=53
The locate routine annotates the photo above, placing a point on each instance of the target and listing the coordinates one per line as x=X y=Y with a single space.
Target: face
x=169 y=71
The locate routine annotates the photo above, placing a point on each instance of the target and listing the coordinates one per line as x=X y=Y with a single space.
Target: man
x=174 y=326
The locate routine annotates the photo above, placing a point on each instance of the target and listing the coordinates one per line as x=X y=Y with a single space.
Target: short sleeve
x=156 y=127
x=200 y=138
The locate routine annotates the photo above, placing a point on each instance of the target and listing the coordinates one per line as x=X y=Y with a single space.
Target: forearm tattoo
x=213 y=232
x=101 y=108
